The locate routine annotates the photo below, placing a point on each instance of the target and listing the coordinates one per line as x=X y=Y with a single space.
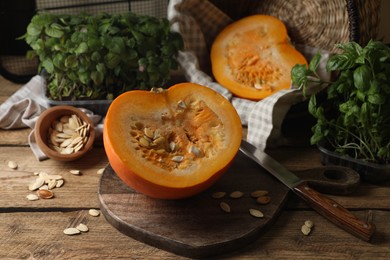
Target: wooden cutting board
x=194 y=227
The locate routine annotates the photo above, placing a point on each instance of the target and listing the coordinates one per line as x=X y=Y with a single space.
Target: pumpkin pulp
x=172 y=144
x=253 y=57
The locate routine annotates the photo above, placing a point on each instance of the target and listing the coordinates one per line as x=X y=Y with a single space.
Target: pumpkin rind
x=204 y=127
x=253 y=57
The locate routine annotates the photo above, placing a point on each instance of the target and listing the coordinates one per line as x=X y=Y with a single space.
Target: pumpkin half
x=174 y=143
x=253 y=57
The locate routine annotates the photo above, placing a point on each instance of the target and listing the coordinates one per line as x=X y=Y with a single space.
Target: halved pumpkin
x=174 y=143
x=253 y=57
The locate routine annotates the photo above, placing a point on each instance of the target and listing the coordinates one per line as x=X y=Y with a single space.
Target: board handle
x=335 y=213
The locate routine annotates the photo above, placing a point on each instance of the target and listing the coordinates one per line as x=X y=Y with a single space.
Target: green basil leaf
x=48 y=65
x=362 y=77
x=82 y=48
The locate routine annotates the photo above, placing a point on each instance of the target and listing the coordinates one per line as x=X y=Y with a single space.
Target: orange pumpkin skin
x=253 y=57
x=188 y=115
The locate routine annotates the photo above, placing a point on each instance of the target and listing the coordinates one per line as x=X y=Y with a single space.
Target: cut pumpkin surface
x=172 y=144
x=253 y=57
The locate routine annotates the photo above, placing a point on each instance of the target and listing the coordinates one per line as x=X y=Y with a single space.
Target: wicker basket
x=317 y=23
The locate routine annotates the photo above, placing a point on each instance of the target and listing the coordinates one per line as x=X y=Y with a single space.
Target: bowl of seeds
x=64 y=133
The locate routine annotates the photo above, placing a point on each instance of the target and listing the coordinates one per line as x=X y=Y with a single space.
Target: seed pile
x=197 y=133
x=68 y=134
x=261 y=197
x=44 y=185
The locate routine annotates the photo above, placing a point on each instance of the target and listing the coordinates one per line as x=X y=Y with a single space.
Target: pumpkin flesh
x=172 y=144
x=253 y=57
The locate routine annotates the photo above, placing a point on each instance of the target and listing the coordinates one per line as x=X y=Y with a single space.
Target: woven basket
x=316 y=23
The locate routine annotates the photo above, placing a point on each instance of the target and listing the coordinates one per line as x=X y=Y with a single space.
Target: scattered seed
x=100 y=171
x=13 y=165
x=236 y=194
x=32 y=197
x=94 y=212
x=36 y=184
x=259 y=193
x=224 y=206
x=75 y=172
x=51 y=184
x=172 y=146
x=263 y=200
x=44 y=187
x=82 y=227
x=309 y=223
x=71 y=231
x=256 y=213
x=218 y=194
x=45 y=194
x=305 y=230
x=149 y=132
x=59 y=183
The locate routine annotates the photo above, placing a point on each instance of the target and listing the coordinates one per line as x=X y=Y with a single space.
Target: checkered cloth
x=199 y=22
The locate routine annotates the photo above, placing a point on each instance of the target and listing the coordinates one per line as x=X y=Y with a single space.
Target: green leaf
x=362 y=77
x=53 y=32
x=82 y=48
x=48 y=65
x=33 y=29
x=314 y=62
x=71 y=61
x=112 y=60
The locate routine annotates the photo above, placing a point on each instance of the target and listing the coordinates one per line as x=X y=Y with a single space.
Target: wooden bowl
x=45 y=129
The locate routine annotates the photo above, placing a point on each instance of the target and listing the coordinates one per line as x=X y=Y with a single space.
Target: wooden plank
x=79 y=191
x=39 y=235
x=14 y=137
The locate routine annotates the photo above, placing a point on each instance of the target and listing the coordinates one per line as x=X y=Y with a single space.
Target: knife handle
x=335 y=213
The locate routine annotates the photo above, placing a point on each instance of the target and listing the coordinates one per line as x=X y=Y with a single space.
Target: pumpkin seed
x=59 y=183
x=149 y=132
x=45 y=194
x=177 y=158
x=256 y=213
x=172 y=146
x=143 y=142
x=259 y=193
x=181 y=104
x=309 y=223
x=32 y=197
x=75 y=172
x=100 y=171
x=305 y=230
x=236 y=194
x=13 y=165
x=82 y=227
x=94 y=212
x=218 y=194
x=263 y=200
x=38 y=182
x=225 y=207
x=71 y=231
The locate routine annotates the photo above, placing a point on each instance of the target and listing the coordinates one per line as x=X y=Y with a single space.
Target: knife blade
x=325 y=206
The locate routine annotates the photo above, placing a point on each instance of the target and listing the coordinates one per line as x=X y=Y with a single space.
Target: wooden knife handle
x=335 y=213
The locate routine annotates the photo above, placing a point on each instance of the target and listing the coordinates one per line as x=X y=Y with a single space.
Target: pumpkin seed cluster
x=194 y=132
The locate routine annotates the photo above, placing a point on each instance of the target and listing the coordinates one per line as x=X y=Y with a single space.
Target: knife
x=325 y=206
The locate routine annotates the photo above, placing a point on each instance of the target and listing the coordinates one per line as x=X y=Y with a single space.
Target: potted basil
x=353 y=122
x=98 y=57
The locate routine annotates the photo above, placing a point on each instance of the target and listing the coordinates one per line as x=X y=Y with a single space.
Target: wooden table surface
x=34 y=229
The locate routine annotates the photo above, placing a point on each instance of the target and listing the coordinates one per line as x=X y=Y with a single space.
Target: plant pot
x=369 y=172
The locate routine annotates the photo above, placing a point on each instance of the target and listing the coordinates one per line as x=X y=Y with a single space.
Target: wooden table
x=34 y=229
